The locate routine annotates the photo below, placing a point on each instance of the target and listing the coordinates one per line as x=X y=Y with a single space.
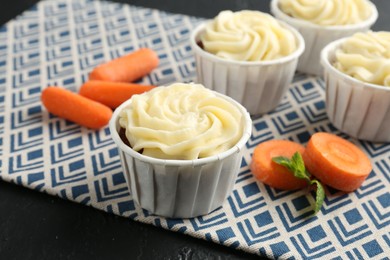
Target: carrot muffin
x=247 y=55
x=181 y=148
x=357 y=79
x=323 y=21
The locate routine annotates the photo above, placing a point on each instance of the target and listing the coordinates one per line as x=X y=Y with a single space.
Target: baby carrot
x=127 y=68
x=111 y=94
x=336 y=161
x=73 y=107
x=271 y=173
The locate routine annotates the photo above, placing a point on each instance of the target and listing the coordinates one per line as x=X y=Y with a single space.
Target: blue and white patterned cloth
x=59 y=42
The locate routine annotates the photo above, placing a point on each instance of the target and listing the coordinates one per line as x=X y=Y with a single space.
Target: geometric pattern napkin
x=59 y=42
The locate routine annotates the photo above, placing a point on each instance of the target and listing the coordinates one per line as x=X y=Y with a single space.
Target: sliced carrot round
x=271 y=173
x=336 y=162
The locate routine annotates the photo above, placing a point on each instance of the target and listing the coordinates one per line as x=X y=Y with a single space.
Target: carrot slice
x=111 y=94
x=336 y=161
x=73 y=107
x=127 y=68
x=271 y=173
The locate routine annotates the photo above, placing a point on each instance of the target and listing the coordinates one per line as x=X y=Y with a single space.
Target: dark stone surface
x=34 y=225
x=38 y=226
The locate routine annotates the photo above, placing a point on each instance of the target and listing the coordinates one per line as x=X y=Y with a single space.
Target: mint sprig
x=297 y=167
x=320 y=195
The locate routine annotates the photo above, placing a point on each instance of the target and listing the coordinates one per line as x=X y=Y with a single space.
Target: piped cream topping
x=366 y=56
x=181 y=121
x=247 y=36
x=327 y=12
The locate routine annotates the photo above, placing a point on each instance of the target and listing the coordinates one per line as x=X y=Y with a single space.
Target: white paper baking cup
x=181 y=188
x=258 y=85
x=317 y=36
x=359 y=109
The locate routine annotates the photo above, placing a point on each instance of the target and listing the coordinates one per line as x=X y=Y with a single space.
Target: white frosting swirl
x=181 y=121
x=247 y=36
x=327 y=12
x=366 y=56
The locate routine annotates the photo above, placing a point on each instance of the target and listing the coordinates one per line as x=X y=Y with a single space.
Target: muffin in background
x=366 y=57
x=324 y=21
x=357 y=75
x=247 y=55
x=193 y=140
x=247 y=36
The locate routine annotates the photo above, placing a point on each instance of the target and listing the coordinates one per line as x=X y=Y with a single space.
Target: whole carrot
x=127 y=68
x=76 y=108
x=111 y=94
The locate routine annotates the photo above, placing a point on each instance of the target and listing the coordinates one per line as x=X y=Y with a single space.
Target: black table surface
x=34 y=225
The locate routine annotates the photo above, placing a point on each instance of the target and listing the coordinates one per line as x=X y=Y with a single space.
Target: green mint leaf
x=298 y=167
x=292 y=165
x=284 y=161
x=307 y=174
x=320 y=195
x=298 y=163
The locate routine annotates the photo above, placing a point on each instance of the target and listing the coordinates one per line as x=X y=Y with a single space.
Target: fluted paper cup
x=180 y=188
x=317 y=36
x=258 y=85
x=356 y=108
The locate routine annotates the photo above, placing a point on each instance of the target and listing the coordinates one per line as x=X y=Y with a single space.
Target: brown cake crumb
x=122 y=135
x=200 y=44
